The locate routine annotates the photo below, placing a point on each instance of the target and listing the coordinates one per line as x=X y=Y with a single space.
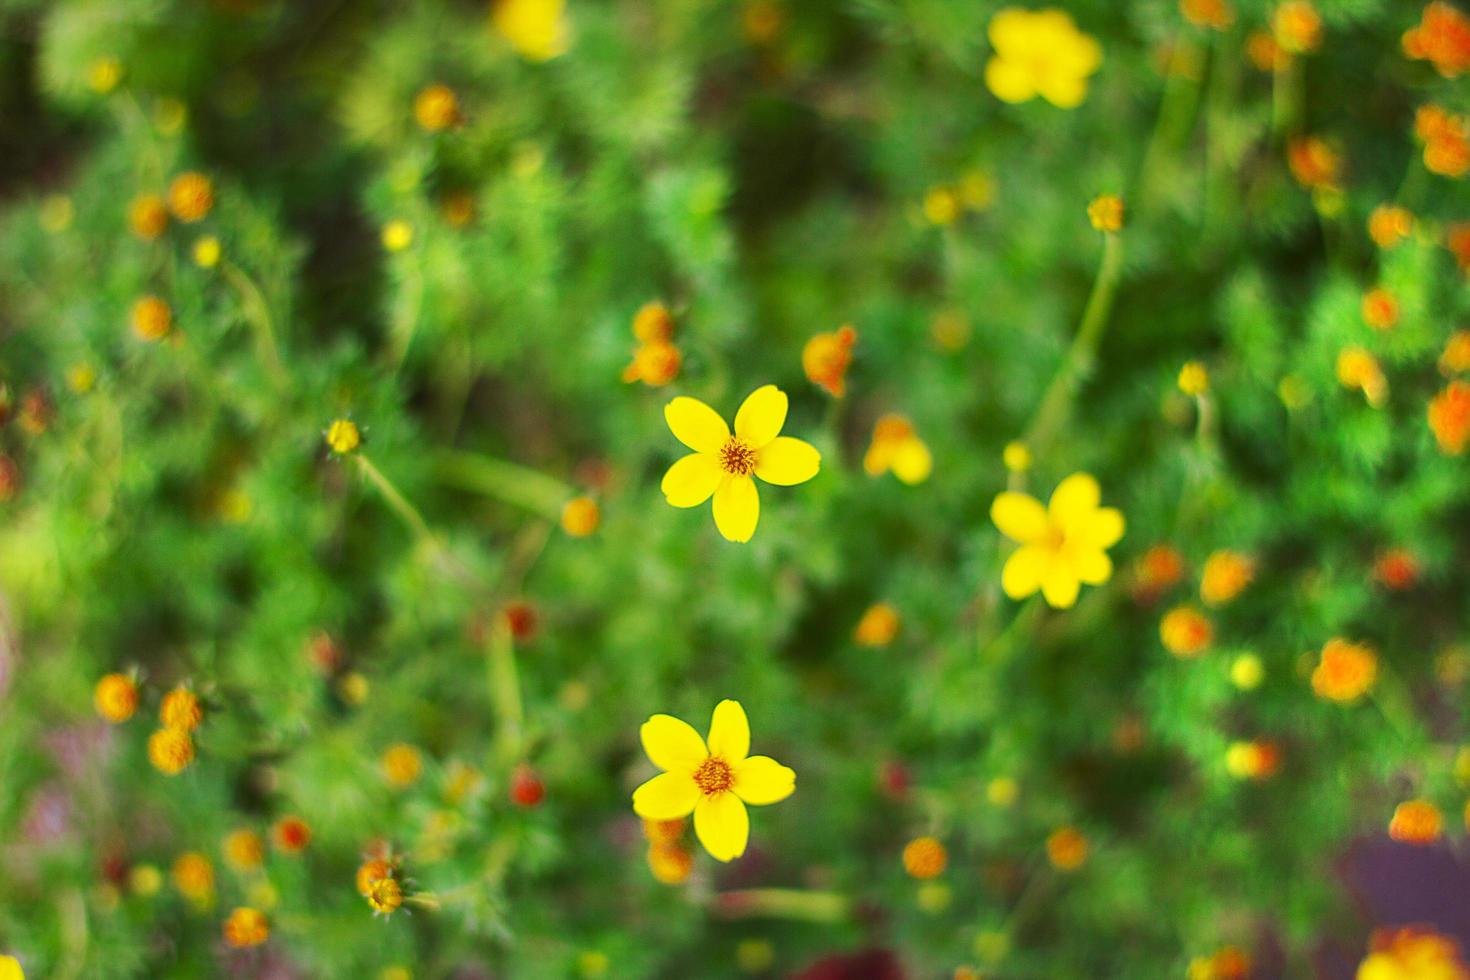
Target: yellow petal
x=1024 y=571
x=737 y=508
x=1063 y=89
x=1103 y=529
x=729 y=732
x=1093 y=567
x=1059 y=585
x=672 y=745
x=722 y=825
x=1074 y=500
x=696 y=425
x=760 y=780
x=912 y=462
x=787 y=462
x=761 y=416
x=878 y=457
x=691 y=480
x=1009 y=81
x=1009 y=29
x=1019 y=516
x=667 y=796
x=10 y=969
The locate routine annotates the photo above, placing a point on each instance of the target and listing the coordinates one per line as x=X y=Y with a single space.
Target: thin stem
x=406 y=325
x=783 y=903
x=505 y=693
x=397 y=501
x=258 y=312
x=1286 y=95
x=1078 y=363
x=510 y=483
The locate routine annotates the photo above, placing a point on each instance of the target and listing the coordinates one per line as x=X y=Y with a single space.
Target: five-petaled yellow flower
x=1040 y=53
x=1062 y=545
x=714 y=780
x=723 y=463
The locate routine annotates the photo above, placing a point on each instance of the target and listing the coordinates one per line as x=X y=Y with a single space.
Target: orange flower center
x=736 y=458
x=713 y=776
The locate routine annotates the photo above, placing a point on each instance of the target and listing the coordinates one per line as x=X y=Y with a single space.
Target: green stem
x=406 y=325
x=1078 y=363
x=783 y=903
x=397 y=501
x=1286 y=96
x=1176 y=108
x=998 y=648
x=258 y=312
x=510 y=483
x=505 y=694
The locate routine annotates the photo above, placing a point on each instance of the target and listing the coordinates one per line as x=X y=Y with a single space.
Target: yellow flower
x=436 y=108
x=190 y=197
x=826 y=357
x=655 y=363
x=1185 y=632
x=1066 y=849
x=897 y=447
x=653 y=323
x=1297 y=26
x=941 y=206
x=537 y=29
x=1412 y=953
x=170 y=750
x=246 y=927
x=402 y=764
x=878 y=626
x=10 y=969
x=1002 y=791
x=1416 y=822
x=1062 y=544
x=207 y=252
x=1247 y=672
x=104 y=74
x=116 y=698
x=1194 y=379
x=143 y=879
x=397 y=235
x=1225 y=576
x=1040 y=53
x=713 y=779
x=1345 y=672
x=244 y=850
x=1106 y=213
x=723 y=463
x=343 y=436
x=151 y=319
x=924 y=858
x=194 y=877
x=669 y=863
x=1016 y=457
x=148 y=217
x=580 y=517
x=1356 y=368
x=1388 y=225
x=385 y=895
x=180 y=709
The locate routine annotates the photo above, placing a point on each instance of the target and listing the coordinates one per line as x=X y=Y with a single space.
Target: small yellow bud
x=207 y=252
x=1002 y=791
x=1106 y=213
x=397 y=235
x=1016 y=457
x=343 y=436
x=941 y=206
x=104 y=74
x=1194 y=379
x=580 y=517
x=1247 y=672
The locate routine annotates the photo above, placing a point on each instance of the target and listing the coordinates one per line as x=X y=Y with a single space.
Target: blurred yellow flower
x=1253 y=760
x=143 y=879
x=436 y=108
x=402 y=765
x=116 y=698
x=1016 y=457
x=1449 y=418
x=246 y=927
x=1194 y=379
x=1062 y=545
x=1185 y=632
x=1442 y=37
x=170 y=750
x=1040 y=53
x=1412 y=953
x=151 y=319
x=206 y=252
x=1345 y=672
x=878 y=626
x=343 y=436
x=1066 y=849
x=1225 y=575
x=537 y=29
x=148 y=217
x=190 y=197
x=713 y=779
x=244 y=849
x=397 y=235
x=104 y=74
x=1416 y=822
x=1105 y=212
x=1296 y=26
x=1455 y=358
x=1380 y=309
x=1356 y=368
x=655 y=363
x=723 y=464
x=180 y=709
x=941 y=205
x=826 y=357
x=924 y=858
x=1314 y=163
x=384 y=896
x=898 y=448
x=1247 y=672
x=194 y=877
x=1217 y=14
x=1002 y=791
x=580 y=517
x=1388 y=225
x=669 y=863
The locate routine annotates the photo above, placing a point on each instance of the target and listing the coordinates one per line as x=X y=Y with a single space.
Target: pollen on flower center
x=713 y=776
x=736 y=457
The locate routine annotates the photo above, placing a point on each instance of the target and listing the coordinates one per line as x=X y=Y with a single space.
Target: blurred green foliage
x=768 y=171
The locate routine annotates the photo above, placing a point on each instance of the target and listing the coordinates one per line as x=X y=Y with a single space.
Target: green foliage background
x=767 y=191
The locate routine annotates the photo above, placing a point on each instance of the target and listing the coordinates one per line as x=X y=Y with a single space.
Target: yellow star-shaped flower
x=714 y=780
x=723 y=463
x=1062 y=545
